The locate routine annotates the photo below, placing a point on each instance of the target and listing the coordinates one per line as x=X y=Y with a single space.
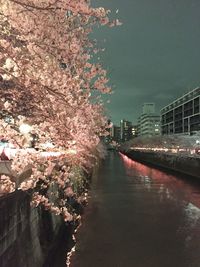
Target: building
x=107 y=139
x=134 y=131
x=149 y=125
x=148 y=108
x=149 y=121
x=125 y=130
x=182 y=116
x=115 y=133
x=122 y=133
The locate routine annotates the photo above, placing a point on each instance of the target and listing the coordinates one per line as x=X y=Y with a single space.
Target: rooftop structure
x=148 y=108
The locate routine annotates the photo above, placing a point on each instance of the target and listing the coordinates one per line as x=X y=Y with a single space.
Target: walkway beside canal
x=139 y=217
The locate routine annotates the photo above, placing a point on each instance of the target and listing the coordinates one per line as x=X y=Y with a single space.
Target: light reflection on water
x=192 y=213
x=183 y=193
x=168 y=185
x=139 y=216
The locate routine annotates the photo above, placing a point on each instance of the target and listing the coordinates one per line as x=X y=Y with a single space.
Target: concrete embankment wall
x=26 y=234
x=184 y=164
x=32 y=237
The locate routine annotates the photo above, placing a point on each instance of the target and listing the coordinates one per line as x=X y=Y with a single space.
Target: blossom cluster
x=49 y=81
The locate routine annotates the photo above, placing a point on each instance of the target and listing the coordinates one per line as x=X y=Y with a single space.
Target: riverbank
x=184 y=164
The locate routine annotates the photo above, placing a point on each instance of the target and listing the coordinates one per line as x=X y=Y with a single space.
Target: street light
x=25 y=131
x=24 y=128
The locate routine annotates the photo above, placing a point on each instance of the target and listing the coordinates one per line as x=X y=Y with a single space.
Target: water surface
x=139 y=217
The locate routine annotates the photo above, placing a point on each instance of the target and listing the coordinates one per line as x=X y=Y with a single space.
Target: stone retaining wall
x=26 y=234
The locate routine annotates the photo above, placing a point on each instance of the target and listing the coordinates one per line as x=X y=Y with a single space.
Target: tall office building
x=149 y=121
x=182 y=116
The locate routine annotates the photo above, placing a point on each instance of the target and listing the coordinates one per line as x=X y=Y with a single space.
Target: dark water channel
x=139 y=217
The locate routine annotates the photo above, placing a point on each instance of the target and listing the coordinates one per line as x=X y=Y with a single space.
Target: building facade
x=149 y=121
x=134 y=131
x=148 y=108
x=149 y=125
x=125 y=130
x=115 y=133
x=182 y=116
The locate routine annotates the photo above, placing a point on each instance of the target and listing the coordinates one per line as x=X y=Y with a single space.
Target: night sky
x=153 y=57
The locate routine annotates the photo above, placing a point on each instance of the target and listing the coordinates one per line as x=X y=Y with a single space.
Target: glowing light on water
x=69 y=254
x=192 y=213
x=73 y=249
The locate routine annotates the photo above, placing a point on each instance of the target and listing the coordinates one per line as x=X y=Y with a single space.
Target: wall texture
x=26 y=234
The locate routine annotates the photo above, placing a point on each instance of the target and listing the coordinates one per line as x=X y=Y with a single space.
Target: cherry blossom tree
x=48 y=80
x=182 y=145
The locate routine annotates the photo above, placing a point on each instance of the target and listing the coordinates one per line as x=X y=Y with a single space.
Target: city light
x=24 y=128
x=176 y=150
x=47 y=145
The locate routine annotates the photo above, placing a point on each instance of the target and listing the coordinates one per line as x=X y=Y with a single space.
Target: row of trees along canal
x=183 y=145
x=47 y=80
x=175 y=152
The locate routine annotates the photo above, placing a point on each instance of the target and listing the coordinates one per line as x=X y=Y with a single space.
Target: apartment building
x=149 y=121
x=182 y=116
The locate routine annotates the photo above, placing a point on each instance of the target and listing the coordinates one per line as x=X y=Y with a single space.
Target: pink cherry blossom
x=47 y=81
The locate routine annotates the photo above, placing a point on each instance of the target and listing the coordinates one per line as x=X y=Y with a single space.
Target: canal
x=139 y=217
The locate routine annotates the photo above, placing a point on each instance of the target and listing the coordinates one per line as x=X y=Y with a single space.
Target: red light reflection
x=172 y=183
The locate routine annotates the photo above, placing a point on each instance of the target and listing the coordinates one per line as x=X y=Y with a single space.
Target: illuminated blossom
x=47 y=81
